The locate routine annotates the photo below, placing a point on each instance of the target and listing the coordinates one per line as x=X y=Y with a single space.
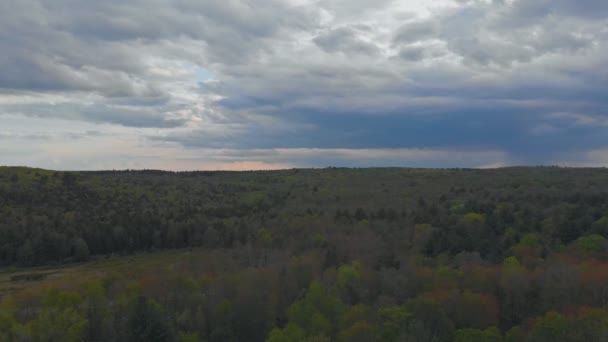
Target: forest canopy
x=391 y=254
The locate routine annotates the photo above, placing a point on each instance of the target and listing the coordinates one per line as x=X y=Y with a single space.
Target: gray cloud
x=136 y=53
x=345 y=40
x=100 y=113
x=415 y=53
x=487 y=50
x=544 y=8
x=412 y=53
x=316 y=74
x=505 y=32
x=415 y=31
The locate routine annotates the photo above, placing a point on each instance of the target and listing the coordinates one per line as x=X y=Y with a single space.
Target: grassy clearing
x=15 y=280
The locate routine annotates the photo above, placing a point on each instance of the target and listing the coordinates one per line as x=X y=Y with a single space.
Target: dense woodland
x=513 y=254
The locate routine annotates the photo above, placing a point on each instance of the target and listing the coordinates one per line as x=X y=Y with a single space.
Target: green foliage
x=75 y=216
x=58 y=320
x=80 y=249
x=264 y=236
x=511 y=263
x=97 y=311
x=256 y=201
x=188 y=337
x=473 y=218
x=394 y=323
x=318 y=240
x=601 y=226
x=456 y=207
x=594 y=243
x=476 y=335
x=360 y=331
x=9 y=327
x=587 y=325
x=349 y=279
x=431 y=322
x=147 y=322
x=514 y=334
x=317 y=313
x=54 y=324
x=530 y=240
x=349 y=274
x=344 y=255
x=291 y=333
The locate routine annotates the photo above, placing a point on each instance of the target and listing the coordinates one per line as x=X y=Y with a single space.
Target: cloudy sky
x=252 y=84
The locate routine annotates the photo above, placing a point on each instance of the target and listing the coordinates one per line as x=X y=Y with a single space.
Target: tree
x=477 y=335
x=360 y=331
x=80 y=249
x=147 y=322
x=97 y=311
x=291 y=333
x=429 y=322
x=59 y=319
x=349 y=282
x=317 y=313
x=515 y=294
x=593 y=243
x=394 y=322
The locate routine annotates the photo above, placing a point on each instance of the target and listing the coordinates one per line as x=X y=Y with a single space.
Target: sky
x=245 y=85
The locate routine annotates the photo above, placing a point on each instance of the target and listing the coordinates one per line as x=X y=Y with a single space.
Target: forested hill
x=49 y=217
x=387 y=254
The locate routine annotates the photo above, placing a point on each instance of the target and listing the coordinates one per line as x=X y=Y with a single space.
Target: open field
x=14 y=280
